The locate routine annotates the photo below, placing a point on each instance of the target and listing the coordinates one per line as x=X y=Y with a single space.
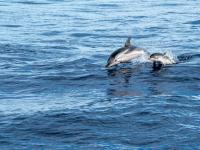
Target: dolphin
x=160 y=59
x=124 y=54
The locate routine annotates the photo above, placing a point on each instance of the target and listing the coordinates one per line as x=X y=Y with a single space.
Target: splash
x=172 y=56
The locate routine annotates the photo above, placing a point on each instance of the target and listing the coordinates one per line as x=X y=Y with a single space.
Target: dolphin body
x=160 y=59
x=124 y=54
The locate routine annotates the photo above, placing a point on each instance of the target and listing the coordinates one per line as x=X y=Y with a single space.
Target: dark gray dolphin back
x=127 y=45
x=156 y=54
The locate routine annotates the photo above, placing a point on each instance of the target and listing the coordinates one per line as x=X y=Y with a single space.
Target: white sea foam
x=171 y=55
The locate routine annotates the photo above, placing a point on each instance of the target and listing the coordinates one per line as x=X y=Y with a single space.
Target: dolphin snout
x=107 y=65
x=110 y=64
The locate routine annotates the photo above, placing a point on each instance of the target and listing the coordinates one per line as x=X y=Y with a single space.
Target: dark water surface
x=56 y=94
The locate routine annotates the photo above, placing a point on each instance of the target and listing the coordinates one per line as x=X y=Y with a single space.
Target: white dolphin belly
x=125 y=57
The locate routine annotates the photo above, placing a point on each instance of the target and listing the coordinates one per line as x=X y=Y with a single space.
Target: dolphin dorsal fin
x=128 y=42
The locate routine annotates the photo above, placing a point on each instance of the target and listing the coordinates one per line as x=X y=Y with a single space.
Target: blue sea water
x=55 y=92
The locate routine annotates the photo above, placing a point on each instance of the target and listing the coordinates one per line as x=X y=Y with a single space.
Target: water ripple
x=56 y=93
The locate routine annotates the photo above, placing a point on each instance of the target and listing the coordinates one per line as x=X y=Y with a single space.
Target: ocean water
x=55 y=92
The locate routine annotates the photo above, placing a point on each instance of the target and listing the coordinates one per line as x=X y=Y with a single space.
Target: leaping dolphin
x=124 y=54
x=160 y=59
